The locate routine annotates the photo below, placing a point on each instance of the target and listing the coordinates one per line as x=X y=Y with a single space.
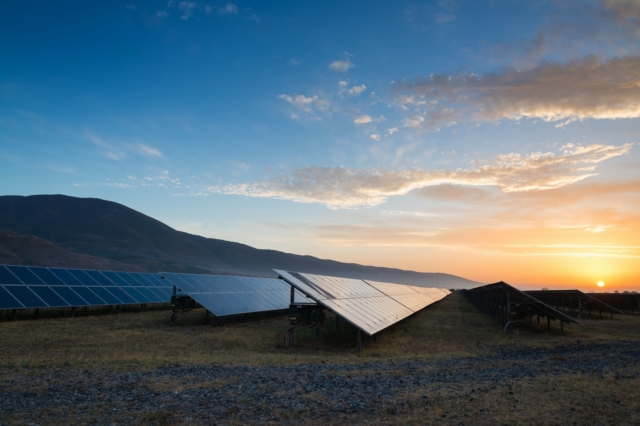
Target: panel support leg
x=562 y=327
x=73 y=312
x=13 y=314
x=337 y=322
x=37 y=311
x=548 y=323
x=359 y=342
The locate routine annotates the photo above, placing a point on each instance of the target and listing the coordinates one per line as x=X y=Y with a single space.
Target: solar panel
x=46 y=276
x=49 y=296
x=25 y=296
x=6 y=277
x=25 y=275
x=7 y=301
x=40 y=287
x=507 y=304
x=70 y=296
x=231 y=295
x=369 y=305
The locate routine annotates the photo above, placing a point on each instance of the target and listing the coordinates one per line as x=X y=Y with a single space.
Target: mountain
x=19 y=249
x=111 y=231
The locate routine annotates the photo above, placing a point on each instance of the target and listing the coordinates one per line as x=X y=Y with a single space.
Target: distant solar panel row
x=232 y=295
x=369 y=305
x=23 y=287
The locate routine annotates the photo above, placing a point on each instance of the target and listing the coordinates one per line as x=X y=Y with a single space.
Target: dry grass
x=141 y=340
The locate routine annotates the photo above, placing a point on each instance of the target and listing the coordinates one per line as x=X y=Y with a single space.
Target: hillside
x=19 y=249
x=109 y=230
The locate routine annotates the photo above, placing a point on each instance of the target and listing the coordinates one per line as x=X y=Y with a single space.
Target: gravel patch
x=285 y=394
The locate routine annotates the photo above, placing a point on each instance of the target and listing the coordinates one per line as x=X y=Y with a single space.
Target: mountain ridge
x=109 y=230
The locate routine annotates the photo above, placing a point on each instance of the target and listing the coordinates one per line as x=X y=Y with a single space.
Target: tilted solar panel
x=232 y=295
x=369 y=305
x=23 y=287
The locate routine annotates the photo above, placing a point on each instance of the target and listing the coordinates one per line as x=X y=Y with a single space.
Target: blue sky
x=445 y=136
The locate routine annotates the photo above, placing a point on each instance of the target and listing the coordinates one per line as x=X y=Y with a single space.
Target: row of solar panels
x=231 y=295
x=369 y=305
x=24 y=287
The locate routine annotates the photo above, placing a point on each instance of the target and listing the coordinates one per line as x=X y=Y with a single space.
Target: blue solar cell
x=83 y=277
x=160 y=296
x=89 y=295
x=46 y=276
x=155 y=280
x=6 y=277
x=25 y=275
x=26 y=296
x=99 y=278
x=117 y=279
x=7 y=301
x=178 y=282
x=106 y=295
x=122 y=295
x=133 y=292
x=131 y=282
x=49 y=296
x=135 y=278
x=70 y=296
x=65 y=276
x=153 y=298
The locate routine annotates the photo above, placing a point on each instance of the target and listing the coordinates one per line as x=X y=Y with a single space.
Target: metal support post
x=561 y=326
x=508 y=306
x=337 y=322
x=359 y=342
x=73 y=312
x=13 y=314
x=548 y=323
x=37 y=312
x=579 y=307
x=117 y=309
x=292 y=300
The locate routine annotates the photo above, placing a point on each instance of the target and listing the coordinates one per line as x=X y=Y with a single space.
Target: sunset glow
x=490 y=140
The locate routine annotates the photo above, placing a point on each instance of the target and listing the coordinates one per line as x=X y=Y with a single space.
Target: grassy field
x=141 y=340
x=452 y=328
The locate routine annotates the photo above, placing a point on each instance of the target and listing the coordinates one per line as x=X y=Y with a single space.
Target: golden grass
x=142 y=340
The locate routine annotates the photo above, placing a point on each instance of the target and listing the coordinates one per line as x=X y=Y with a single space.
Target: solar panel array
x=28 y=287
x=369 y=305
x=232 y=295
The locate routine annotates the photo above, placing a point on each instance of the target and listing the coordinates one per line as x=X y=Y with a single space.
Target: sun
x=600 y=284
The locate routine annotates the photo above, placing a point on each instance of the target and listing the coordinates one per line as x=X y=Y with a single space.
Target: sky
x=494 y=140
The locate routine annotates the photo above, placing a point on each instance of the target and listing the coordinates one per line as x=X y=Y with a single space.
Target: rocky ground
x=311 y=393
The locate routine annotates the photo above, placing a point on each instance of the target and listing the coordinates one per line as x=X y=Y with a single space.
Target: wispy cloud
x=363 y=119
x=341 y=65
x=339 y=187
x=119 y=151
x=446 y=11
x=306 y=103
x=186 y=8
x=106 y=149
x=228 y=9
x=350 y=91
x=148 y=151
x=581 y=89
